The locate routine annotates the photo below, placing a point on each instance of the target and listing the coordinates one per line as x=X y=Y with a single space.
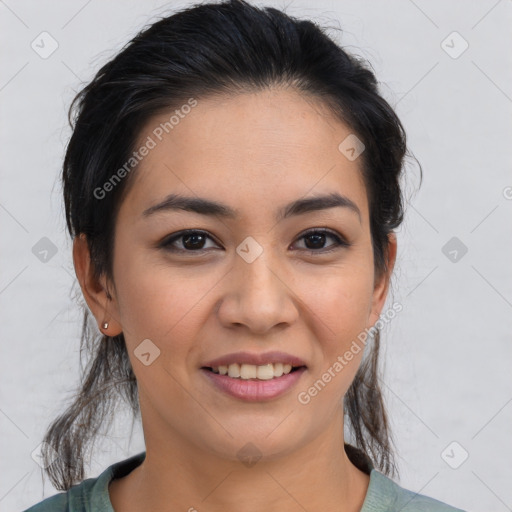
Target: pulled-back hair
x=208 y=49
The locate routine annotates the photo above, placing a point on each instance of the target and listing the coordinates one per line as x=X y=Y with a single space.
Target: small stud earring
x=105 y=325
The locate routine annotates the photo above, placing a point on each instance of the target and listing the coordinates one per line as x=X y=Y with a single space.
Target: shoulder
x=385 y=495
x=91 y=494
x=77 y=498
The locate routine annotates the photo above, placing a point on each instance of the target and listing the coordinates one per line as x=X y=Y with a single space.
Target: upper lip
x=256 y=359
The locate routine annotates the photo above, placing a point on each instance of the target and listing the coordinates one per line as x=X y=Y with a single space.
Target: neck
x=178 y=476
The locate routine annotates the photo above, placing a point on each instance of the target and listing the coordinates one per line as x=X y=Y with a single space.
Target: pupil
x=187 y=238
x=317 y=238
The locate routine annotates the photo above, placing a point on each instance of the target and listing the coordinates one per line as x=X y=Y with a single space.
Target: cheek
x=340 y=303
x=340 y=314
x=161 y=302
x=339 y=300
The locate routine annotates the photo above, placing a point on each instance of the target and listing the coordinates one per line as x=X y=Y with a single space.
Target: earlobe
x=94 y=289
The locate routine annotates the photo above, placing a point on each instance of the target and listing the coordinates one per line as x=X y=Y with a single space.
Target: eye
x=193 y=240
x=317 y=238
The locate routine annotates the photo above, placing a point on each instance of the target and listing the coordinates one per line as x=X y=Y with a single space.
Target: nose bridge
x=256 y=269
x=258 y=296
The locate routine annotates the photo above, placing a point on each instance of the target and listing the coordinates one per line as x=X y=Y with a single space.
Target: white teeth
x=248 y=371
x=234 y=370
x=278 y=369
x=265 y=372
x=251 y=371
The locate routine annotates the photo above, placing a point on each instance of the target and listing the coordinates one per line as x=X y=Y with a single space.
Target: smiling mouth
x=250 y=371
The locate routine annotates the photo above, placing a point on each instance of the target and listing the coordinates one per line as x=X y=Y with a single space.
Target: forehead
x=250 y=149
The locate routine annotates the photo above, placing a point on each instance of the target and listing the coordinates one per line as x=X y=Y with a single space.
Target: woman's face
x=253 y=282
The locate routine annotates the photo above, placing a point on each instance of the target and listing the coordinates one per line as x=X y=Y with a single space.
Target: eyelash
x=340 y=242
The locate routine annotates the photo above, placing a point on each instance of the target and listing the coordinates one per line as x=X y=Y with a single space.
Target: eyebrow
x=205 y=206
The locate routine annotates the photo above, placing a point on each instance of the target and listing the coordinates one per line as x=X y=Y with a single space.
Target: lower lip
x=254 y=390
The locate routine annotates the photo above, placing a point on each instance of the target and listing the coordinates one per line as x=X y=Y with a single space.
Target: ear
x=101 y=302
x=381 y=285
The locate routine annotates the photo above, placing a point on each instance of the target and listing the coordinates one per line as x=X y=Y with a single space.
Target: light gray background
x=447 y=354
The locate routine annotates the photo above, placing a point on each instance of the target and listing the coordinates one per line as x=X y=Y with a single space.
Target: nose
x=258 y=295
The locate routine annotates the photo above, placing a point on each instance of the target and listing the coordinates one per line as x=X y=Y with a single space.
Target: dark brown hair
x=213 y=48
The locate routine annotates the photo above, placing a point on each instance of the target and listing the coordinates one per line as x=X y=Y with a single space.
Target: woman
x=232 y=190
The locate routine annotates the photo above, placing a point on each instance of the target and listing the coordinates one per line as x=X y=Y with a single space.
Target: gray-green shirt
x=91 y=495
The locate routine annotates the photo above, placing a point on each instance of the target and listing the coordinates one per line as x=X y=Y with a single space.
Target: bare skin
x=255 y=153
